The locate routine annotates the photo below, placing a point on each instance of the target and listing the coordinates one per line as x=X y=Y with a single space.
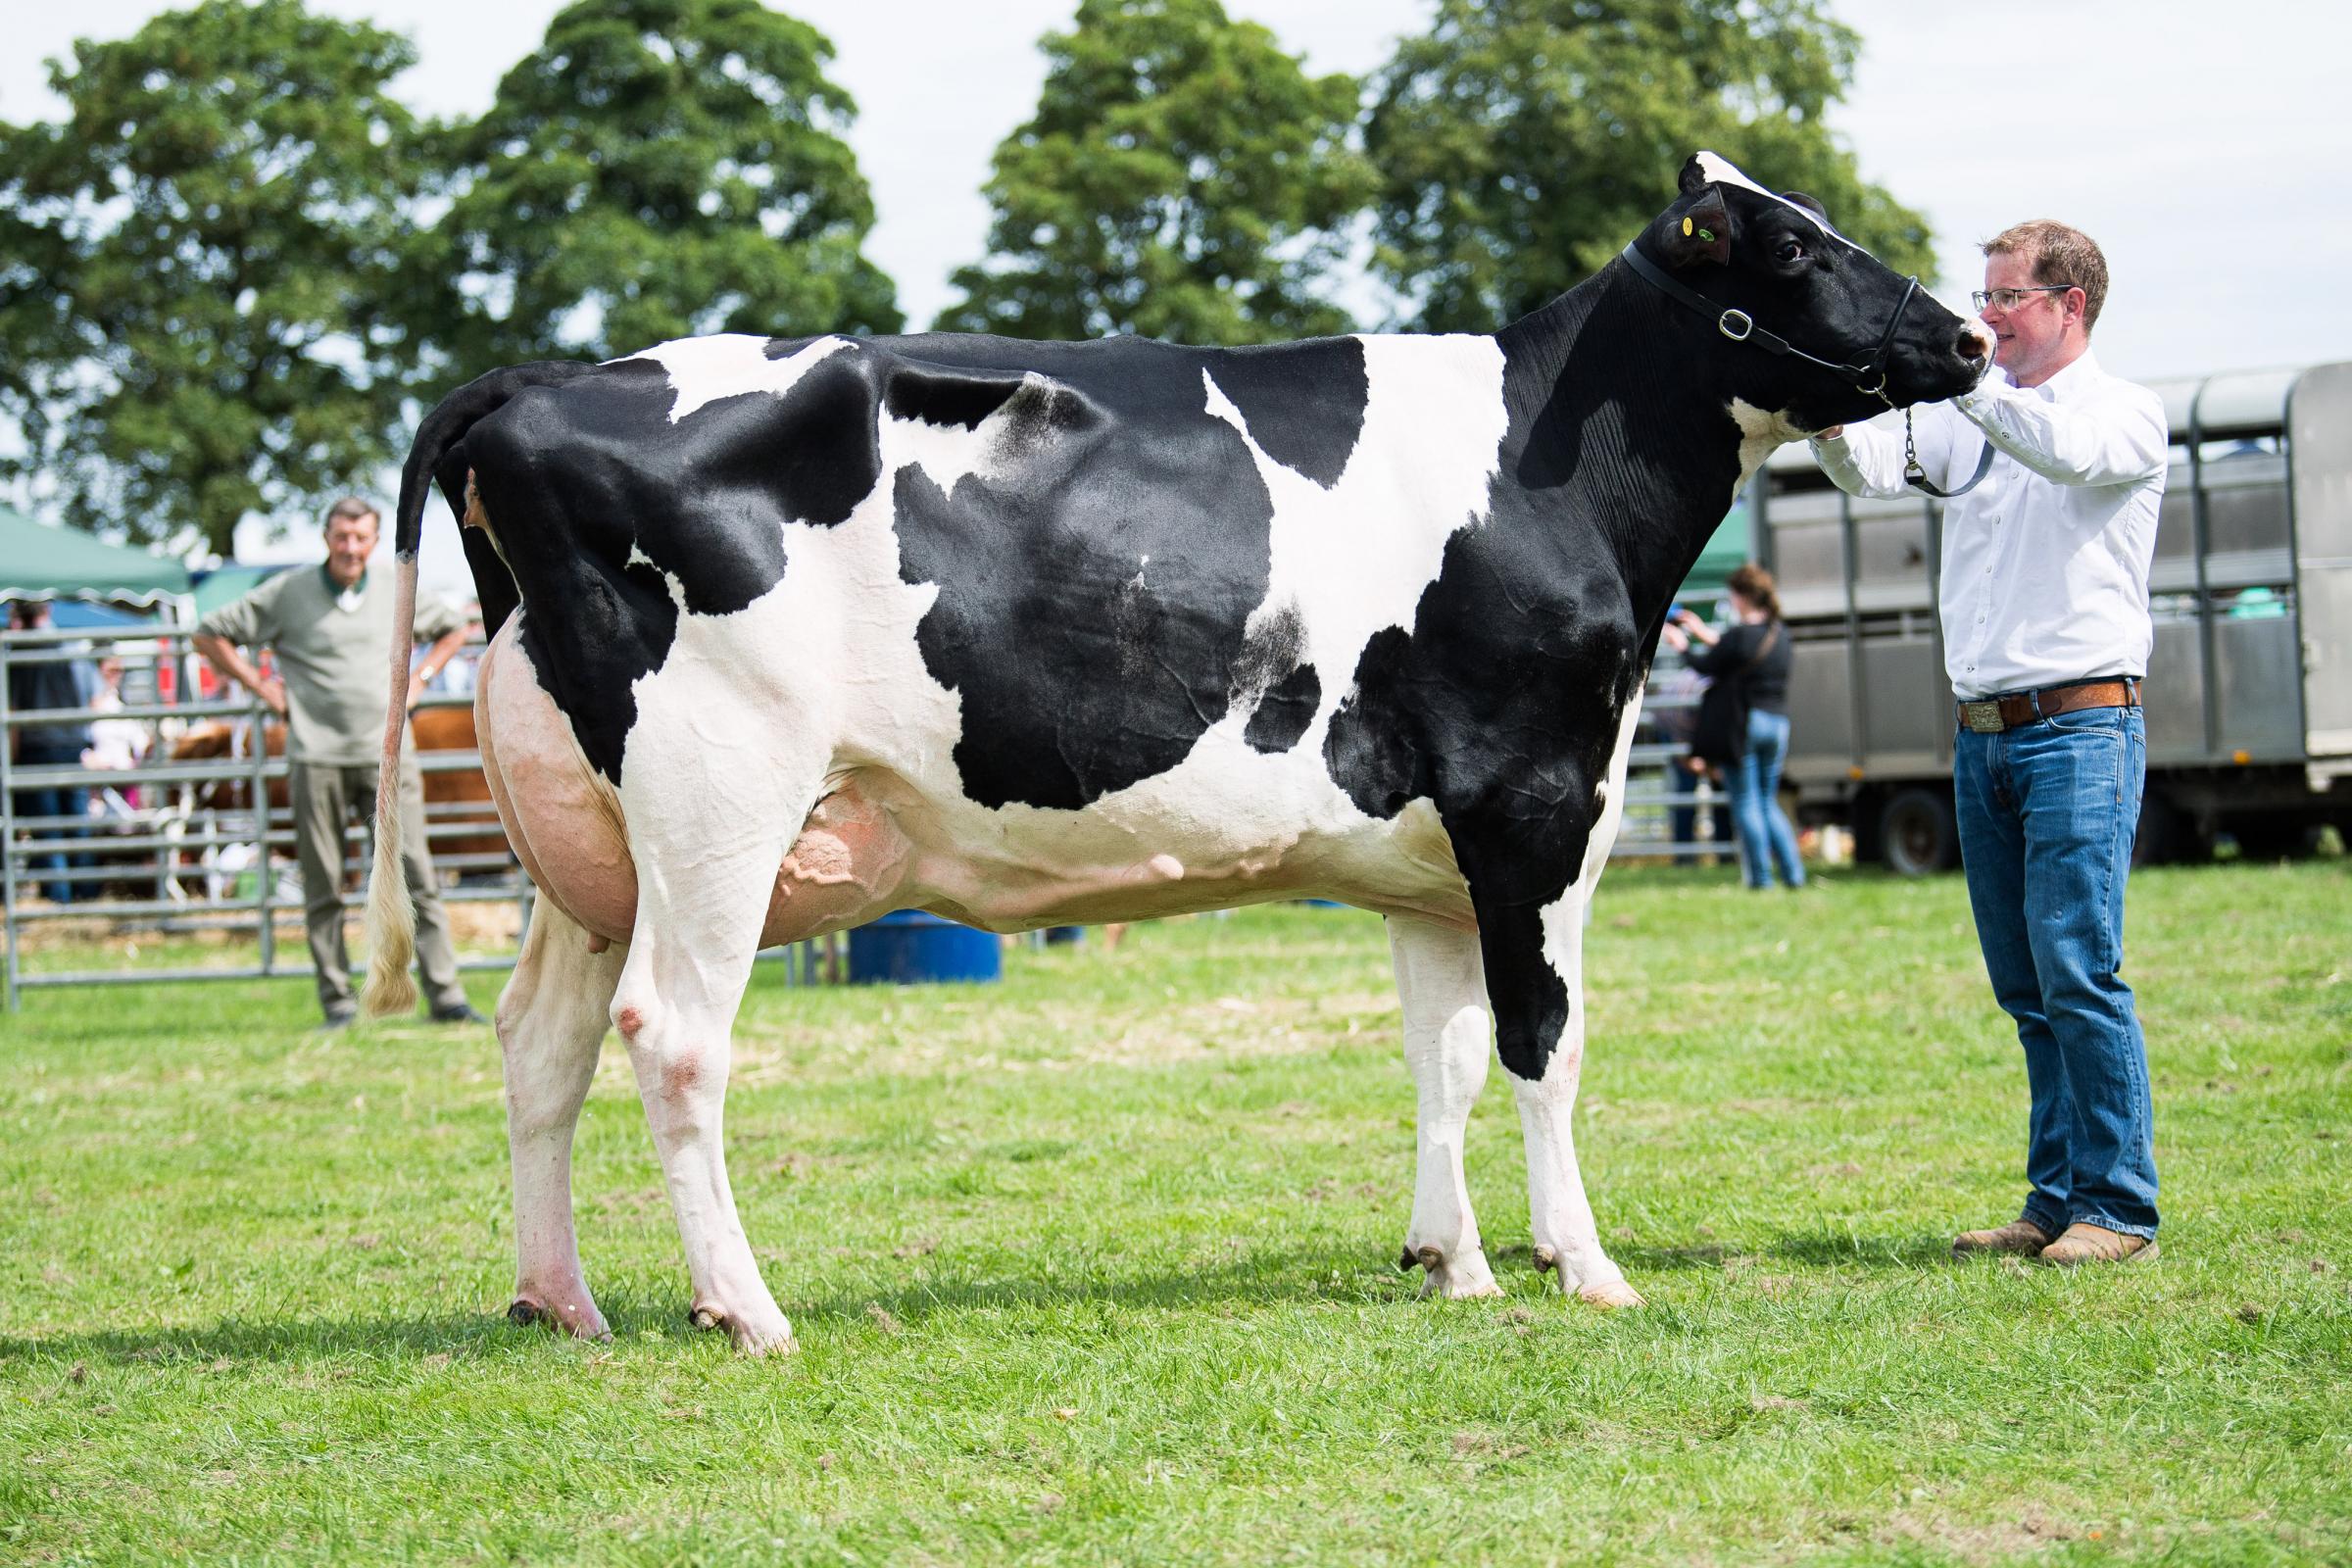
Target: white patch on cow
x=703 y=369
x=1762 y=432
x=1720 y=171
x=1356 y=557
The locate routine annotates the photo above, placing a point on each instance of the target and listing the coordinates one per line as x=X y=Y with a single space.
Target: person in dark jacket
x=1753 y=651
x=50 y=684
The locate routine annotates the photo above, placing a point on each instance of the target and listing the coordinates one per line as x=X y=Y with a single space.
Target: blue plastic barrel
x=911 y=948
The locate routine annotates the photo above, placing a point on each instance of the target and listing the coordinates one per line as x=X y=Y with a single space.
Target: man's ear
x=1701 y=232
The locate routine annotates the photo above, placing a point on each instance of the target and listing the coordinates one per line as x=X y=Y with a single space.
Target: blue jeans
x=2046 y=816
x=1766 y=839
x=69 y=801
x=1684 y=784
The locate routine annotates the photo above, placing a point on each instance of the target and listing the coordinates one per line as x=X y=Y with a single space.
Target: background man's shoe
x=2019 y=1236
x=457 y=1012
x=2096 y=1244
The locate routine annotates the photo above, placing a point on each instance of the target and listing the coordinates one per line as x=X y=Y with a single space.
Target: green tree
x=1522 y=143
x=659 y=169
x=1182 y=179
x=195 y=265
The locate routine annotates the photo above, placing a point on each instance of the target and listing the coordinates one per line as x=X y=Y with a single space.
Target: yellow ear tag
x=1685 y=226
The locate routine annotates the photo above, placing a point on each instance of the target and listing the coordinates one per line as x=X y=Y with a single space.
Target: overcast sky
x=2204 y=146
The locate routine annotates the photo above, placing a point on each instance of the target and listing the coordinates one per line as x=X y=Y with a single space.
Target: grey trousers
x=325 y=796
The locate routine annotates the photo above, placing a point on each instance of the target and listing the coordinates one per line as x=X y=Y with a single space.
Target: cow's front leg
x=1566 y=1239
x=1447 y=1038
x=551 y=1020
x=1530 y=880
x=1534 y=959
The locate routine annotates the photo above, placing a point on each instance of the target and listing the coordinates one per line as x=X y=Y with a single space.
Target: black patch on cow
x=817 y=448
x=600 y=503
x=1091 y=606
x=939 y=397
x=1501 y=706
x=1373 y=748
x=1097 y=582
x=1304 y=401
x=1285 y=710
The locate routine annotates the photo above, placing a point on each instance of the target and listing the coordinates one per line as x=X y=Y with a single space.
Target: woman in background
x=1753 y=651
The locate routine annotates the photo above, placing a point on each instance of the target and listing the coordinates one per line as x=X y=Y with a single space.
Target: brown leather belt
x=1997 y=713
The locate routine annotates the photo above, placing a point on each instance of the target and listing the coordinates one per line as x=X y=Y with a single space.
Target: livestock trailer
x=2249 y=688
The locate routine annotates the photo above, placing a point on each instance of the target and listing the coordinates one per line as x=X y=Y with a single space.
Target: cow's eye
x=1790 y=252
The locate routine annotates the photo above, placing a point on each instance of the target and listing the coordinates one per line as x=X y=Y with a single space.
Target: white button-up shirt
x=2046 y=563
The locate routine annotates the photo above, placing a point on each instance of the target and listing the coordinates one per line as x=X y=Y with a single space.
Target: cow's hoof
x=581 y=1323
x=1465 y=1278
x=767 y=1334
x=1603 y=1293
x=1611 y=1294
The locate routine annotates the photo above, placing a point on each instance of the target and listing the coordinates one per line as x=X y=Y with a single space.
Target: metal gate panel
x=2319 y=444
x=2176 y=715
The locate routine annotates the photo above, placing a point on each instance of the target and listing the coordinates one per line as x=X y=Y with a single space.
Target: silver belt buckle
x=1985 y=718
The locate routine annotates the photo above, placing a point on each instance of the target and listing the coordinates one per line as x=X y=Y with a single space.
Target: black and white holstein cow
x=793 y=632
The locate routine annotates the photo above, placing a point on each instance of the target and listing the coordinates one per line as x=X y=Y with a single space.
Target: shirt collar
x=336 y=591
x=2071 y=381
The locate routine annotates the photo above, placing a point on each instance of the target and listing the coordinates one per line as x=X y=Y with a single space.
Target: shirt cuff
x=1978 y=401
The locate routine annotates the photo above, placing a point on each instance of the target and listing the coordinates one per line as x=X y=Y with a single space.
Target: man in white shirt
x=2044 y=601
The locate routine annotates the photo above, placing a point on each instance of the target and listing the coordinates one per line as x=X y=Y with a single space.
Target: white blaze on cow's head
x=1797 y=319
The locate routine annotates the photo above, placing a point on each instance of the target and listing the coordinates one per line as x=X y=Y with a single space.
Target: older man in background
x=332 y=632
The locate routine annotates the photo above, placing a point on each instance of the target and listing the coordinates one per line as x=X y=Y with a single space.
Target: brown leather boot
x=2096 y=1244
x=2019 y=1236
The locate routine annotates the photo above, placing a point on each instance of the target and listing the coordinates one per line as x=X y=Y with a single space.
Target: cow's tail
x=391 y=917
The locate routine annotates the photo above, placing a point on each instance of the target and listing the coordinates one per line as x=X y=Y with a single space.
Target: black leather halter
x=1868 y=374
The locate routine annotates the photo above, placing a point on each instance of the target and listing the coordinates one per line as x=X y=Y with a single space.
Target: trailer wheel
x=1919 y=832
x=2268 y=839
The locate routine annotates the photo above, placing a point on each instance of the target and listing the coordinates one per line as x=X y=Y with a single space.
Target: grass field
x=1093 y=1266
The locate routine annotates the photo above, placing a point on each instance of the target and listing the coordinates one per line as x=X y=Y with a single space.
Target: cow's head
x=1758 y=270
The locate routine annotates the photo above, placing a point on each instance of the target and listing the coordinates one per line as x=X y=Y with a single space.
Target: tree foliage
x=657 y=169
x=1182 y=178
x=1522 y=143
x=195 y=265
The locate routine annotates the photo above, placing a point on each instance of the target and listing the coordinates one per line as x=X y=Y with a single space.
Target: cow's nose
x=1975 y=341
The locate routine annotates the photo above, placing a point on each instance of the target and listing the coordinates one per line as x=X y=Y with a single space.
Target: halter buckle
x=1746 y=324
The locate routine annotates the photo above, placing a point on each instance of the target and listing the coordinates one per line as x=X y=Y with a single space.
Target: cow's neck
x=1621 y=424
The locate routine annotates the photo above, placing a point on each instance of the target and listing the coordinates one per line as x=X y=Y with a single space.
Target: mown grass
x=1093 y=1266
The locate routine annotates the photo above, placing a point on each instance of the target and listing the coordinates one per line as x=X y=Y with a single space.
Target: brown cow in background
x=437 y=730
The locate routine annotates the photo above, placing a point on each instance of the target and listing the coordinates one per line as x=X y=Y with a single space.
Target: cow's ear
x=1692 y=177
x=1701 y=232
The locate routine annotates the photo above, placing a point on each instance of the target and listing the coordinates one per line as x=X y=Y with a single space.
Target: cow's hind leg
x=552 y=1019
x=690 y=958
x=1447 y=1038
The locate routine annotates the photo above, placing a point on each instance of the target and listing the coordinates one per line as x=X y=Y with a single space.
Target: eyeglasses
x=2009 y=299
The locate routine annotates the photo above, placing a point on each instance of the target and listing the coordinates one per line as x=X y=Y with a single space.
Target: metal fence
x=164 y=852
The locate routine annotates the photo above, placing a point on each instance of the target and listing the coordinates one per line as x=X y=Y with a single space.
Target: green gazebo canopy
x=36 y=559
x=1725 y=552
